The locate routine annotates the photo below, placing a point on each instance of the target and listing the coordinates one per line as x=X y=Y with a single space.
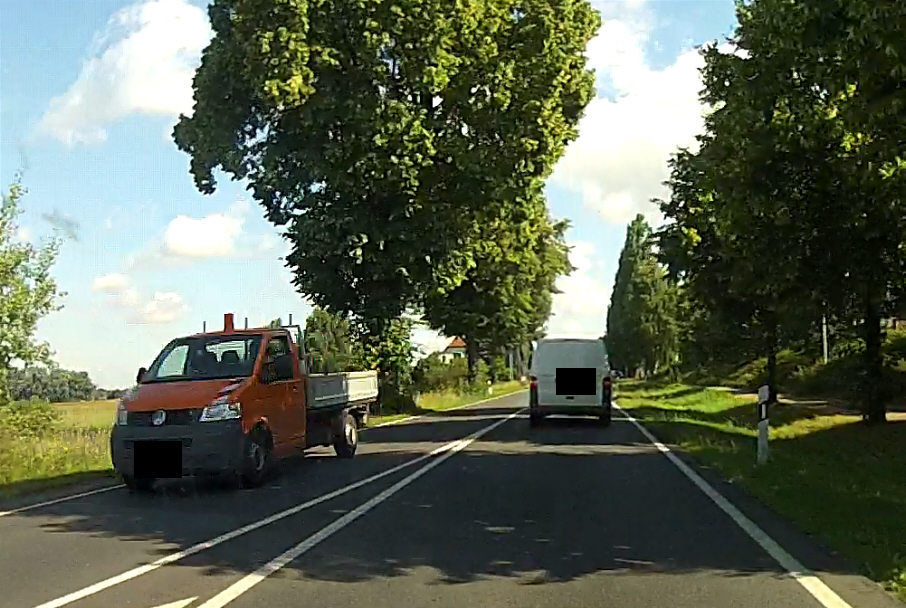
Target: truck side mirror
x=141 y=374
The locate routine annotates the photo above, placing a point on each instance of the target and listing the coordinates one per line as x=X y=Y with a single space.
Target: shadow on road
x=548 y=504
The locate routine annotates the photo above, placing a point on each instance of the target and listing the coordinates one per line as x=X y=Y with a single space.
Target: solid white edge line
x=58 y=500
x=802 y=575
x=458 y=407
x=247 y=582
x=46 y=503
x=205 y=545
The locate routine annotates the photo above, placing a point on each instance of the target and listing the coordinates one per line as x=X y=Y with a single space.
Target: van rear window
x=552 y=355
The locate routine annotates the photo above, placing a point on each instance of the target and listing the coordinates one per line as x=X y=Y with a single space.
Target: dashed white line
x=203 y=546
x=247 y=582
x=802 y=575
x=69 y=497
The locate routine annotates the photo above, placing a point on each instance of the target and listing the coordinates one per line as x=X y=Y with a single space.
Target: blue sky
x=90 y=90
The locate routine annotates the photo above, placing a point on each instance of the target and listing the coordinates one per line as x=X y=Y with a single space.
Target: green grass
x=444 y=400
x=78 y=446
x=88 y=414
x=833 y=476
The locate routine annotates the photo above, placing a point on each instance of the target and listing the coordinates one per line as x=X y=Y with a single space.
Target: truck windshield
x=205 y=358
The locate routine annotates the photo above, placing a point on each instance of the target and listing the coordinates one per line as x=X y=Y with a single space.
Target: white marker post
x=764 y=393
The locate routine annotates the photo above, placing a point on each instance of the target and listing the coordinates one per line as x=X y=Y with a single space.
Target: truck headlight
x=122 y=416
x=221 y=409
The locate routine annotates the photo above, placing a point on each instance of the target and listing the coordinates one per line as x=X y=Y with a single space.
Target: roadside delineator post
x=764 y=394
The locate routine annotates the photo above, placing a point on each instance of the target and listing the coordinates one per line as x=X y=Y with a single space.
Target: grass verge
x=430 y=403
x=831 y=475
x=77 y=447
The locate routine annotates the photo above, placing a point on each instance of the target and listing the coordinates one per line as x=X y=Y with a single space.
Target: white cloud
x=579 y=311
x=211 y=236
x=142 y=64
x=619 y=162
x=164 y=307
x=113 y=283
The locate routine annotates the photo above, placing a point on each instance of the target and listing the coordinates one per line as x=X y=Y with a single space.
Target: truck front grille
x=174 y=417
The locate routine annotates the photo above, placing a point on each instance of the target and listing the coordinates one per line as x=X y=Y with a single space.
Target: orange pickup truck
x=230 y=403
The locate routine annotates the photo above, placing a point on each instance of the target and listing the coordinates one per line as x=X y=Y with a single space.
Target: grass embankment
x=830 y=474
x=74 y=447
x=77 y=445
x=801 y=375
x=444 y=400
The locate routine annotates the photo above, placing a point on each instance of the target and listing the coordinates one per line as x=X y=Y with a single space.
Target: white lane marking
x=58 y=500
x=179 y=603
x=802 y=575
x=203 y=546
x=458 y=407
x=108 y=488
x=247 y=582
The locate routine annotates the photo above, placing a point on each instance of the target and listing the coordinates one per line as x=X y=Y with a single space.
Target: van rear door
x=570 y=372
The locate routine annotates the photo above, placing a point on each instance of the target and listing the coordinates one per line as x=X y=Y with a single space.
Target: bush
x=433 y=374
x=29 y=419
x=499 y=368
x=395 y=401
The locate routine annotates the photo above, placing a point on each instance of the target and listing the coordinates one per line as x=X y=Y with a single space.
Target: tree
x=329 y=339
x=379 y=134
x=27 y=291
x=506 y=297
x=50 y=383
x=825 y=75
x=641 y=320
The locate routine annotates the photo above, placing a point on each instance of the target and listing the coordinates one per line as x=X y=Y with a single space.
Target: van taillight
x=533 y=382
x=607 y=384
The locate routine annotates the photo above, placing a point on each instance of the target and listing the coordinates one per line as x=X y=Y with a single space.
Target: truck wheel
x=256 y=459
x=345 y=445
x=138 y=484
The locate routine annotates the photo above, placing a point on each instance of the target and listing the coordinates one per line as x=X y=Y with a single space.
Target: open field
x=830 y=474
x=78 y=445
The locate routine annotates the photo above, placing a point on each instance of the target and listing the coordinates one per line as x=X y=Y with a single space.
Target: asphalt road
x=569 y=514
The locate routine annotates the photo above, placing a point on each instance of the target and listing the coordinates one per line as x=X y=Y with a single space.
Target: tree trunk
x=472 y=357
x=873 y=408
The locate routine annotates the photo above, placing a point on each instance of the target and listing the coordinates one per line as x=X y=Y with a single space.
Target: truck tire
x=256 y=458
x=347 y=441
x=138 y=484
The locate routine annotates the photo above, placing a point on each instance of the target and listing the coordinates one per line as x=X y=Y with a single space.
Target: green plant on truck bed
x=831 y=475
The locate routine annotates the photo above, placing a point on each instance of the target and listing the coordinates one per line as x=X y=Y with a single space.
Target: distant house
x=454 y=350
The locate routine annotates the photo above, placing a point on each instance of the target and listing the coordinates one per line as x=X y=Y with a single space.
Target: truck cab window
x=174 y=363
x=278 y=360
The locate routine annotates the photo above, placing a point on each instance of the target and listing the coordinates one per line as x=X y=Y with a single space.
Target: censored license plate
x=160 y=459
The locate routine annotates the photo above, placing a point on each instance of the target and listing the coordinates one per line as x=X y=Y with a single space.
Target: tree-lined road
x=569 y=514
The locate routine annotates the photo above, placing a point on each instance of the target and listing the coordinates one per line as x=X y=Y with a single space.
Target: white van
x=570 y=377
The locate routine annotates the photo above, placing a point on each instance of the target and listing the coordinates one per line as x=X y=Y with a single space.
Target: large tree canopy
x=505 y=298
x=381 y=134
x=792 y=207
